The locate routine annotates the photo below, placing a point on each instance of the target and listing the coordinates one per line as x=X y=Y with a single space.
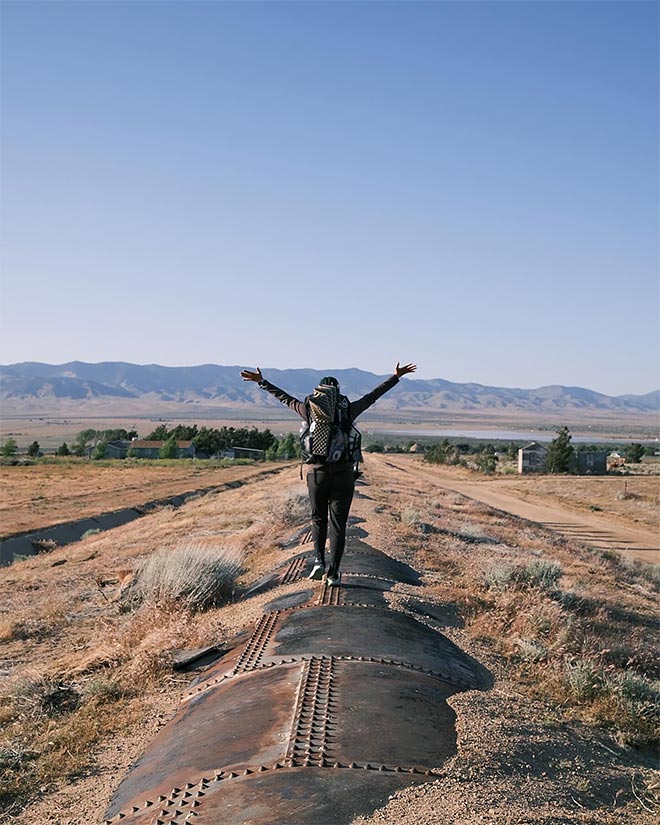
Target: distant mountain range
x=34 y=386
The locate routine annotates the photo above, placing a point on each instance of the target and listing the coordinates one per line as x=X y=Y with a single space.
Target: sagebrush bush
x=106 y=690
x=410 y=517
x=543 y=574
x=191 y=576
x=36 y=696
x=531 y=650
x=583 y=678
x=536 y=573
x=500 y=576
x=296 y=509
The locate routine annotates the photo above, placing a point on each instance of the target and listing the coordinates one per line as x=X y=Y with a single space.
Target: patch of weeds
x=500 y=577
x=44 y=696
x=542 y=574
x=93 y=532
x=13 y=756
x=648 y=573
x=642 y=693
x=530 y=650
x=595 y=508
x=624 y=495
x=295 y=510
x=189 y=576
x=583 y=678
x=410 y=517
x=475 y=534
x=538 y=573
x=104 y=691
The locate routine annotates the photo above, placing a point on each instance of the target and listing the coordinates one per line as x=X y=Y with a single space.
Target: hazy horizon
x=469 y=186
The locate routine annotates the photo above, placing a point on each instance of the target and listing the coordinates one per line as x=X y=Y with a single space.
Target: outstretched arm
x=362 y=404
x=399 y=371
x=284 y=397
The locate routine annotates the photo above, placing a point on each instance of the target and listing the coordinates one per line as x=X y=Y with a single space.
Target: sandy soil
x=45 y=494
x=521 y=759
x=629 y=526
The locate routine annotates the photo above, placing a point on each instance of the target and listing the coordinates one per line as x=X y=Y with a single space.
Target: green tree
x=169 y=449
x=83 y=440
x=289 y=447
x=161 y=433
x=439 y=453
x=100 y=451
x=634 y=453
x=119 y=434
x=374 y=448
x=63 y=449
x=560 y=453
x=9 y=448
x=512 y=451
x=486 y=460
x=33 y=449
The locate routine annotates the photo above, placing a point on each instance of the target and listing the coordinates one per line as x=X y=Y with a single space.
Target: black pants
x=330 y=494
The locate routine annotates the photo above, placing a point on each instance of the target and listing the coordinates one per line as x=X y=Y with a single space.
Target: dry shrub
x=538 y=573
x=410 y=517
x=530 y=650
x=295 y=509
x=624 y=699
x=35 y=696
x=190 y=576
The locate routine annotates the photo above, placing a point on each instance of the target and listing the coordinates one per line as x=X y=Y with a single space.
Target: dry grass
x=67 y=622
x=550 y=609
x=44 y=494
x=573 y=627
x=190 y=577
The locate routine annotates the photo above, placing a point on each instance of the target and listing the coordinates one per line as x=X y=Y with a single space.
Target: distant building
x=531 y=458
x=151 y=449
x=416 y=448
x=117 y=449
x=591 y=462
x=245 y=452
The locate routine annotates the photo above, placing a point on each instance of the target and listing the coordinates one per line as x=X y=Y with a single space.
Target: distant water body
x=512 y=435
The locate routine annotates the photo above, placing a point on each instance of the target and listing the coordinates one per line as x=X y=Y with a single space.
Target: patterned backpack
x=328 y=436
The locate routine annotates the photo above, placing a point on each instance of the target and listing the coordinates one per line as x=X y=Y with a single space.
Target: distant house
x=531 y=458
x=151 y=449
x=117 y=449
x=591 y=462
x=244 y=452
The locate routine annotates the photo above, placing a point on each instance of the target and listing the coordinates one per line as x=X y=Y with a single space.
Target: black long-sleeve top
x=355 y=408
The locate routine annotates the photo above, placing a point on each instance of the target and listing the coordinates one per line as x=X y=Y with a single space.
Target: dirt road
x=595 y=530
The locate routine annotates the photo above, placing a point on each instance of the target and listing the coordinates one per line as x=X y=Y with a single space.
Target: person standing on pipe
x=330 y=484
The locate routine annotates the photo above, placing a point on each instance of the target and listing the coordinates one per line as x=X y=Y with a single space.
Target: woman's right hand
x=248 y=375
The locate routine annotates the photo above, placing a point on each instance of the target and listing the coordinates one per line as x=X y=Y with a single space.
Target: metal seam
x=288 y=660
x=310 y=742
x=189 y=799
x=294 y=570
x=256 y=645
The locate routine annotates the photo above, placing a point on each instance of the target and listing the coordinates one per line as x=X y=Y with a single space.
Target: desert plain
x=568 y=733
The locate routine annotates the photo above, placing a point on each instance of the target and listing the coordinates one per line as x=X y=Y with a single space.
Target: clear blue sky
x=470 y=185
